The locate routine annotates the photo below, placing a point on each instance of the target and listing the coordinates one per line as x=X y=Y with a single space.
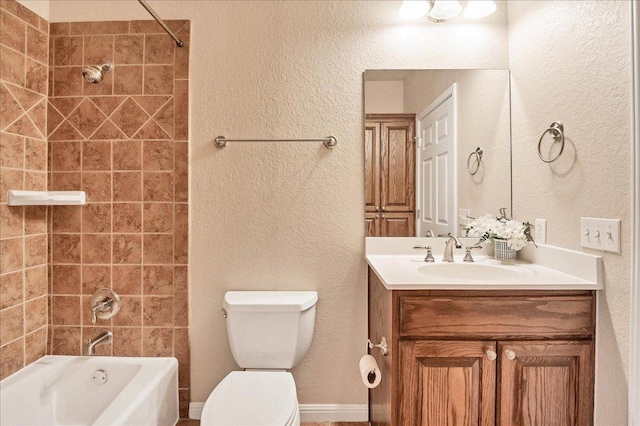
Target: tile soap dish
x=46 y=198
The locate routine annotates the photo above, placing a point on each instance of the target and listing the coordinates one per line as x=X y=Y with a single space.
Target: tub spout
x=102 y=338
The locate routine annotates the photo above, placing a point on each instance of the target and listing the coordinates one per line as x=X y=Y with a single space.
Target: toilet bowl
x=269 y=332
x=258 y=398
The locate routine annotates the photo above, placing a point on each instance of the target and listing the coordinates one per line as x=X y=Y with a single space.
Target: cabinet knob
x=511 y=355
x=377 y=208
x=384 y=217
x=383 y=209
x=377 y=216
x=491 y=354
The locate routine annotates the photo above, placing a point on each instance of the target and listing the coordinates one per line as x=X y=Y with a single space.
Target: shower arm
x=153 y=13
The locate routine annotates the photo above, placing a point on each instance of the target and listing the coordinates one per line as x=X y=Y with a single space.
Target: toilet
x=269 y=332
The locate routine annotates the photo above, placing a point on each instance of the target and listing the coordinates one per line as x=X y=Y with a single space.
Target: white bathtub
x=60 y=390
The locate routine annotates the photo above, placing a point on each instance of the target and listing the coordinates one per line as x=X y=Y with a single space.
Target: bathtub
x=69 y=390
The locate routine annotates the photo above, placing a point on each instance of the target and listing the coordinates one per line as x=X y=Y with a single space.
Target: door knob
x=491 y=354
x=511 y=355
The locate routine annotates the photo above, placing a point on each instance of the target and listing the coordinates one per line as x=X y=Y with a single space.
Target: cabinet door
x=397 y=224
x=397 y=191
x=372 y=166
x=545 y=383
x=447 y=383
x=372 y=224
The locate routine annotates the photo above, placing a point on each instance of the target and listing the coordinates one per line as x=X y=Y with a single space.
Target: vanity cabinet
x=482 y=357
x=390 y=175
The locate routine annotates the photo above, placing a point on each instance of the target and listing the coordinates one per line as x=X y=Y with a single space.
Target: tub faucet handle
x=105 y=304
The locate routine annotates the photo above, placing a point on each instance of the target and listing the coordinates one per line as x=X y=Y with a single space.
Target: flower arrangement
x=516 y=234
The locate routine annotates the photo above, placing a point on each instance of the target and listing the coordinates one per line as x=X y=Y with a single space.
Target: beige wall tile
x=129 y=49
x=127 y=341
x=157 y=280
x=11 y=221
x=12 y=31
x=127 y=248
x=127 y=217
x=11 y=324
x=127 y=155
x=127 y=279
x=95 y=277
x=12 y=66
x=96 y=218
x=11 y=288
x=11 y=358
x=35 y=314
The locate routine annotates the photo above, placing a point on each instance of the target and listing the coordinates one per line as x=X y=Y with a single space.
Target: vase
x=502 y=251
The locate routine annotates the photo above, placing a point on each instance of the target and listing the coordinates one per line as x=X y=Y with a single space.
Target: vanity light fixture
x=414 y=9
x=443 y=10
x=477 y=9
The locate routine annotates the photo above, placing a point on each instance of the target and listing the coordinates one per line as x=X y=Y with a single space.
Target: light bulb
x=414 y=9
x=443 y=10
x=479 y=8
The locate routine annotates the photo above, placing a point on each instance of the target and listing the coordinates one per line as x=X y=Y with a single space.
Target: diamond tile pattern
x=87 y=118
x=129 y=117
x=105 y=117
x=21 y=111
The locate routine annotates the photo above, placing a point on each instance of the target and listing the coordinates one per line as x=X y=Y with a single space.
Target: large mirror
x=437 y=148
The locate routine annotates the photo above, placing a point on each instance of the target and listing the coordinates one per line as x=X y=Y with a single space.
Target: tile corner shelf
x=46 y=198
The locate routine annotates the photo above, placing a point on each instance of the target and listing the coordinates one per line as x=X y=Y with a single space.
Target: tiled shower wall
x=124 y=142
x=23 y=165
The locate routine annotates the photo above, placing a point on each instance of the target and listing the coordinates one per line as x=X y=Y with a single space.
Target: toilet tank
x=270 y=329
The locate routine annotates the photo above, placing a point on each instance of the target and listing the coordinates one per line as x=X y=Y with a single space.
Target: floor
x=197 y=423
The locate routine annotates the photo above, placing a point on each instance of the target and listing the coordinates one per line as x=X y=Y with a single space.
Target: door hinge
x=418 y=141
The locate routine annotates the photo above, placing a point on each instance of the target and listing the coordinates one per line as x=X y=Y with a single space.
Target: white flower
x=488 y=228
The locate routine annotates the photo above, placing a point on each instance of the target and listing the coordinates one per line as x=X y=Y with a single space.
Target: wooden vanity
x=482 y=357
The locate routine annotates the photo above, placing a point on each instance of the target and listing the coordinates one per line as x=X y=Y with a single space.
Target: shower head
x=93 y=73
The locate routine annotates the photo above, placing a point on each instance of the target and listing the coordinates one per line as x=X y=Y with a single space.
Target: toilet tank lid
x=269 y=301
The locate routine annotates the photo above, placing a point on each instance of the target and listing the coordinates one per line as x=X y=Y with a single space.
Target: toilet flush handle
x=224 y=313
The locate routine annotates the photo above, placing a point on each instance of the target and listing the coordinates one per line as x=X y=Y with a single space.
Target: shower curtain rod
x=161 y=22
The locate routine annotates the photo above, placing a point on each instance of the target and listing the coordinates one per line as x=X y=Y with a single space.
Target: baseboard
x=312 y=412
x=195 y=410
x=334 y=413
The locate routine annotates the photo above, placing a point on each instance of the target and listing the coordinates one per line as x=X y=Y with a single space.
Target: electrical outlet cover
x=540 y=235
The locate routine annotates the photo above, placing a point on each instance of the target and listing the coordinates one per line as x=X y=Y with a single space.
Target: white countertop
x=399 y=267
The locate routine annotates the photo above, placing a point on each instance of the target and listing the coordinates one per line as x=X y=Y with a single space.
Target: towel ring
x=557 y=131
x=478 y=154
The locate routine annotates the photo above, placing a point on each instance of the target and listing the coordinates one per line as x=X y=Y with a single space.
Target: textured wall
x=570 y=62
x=124 y=142
x=23 y=165
x=483 y=121
x=289 y=216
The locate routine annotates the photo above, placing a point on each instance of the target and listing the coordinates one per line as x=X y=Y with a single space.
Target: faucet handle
x=429 y=257
x=104 y=304
x=467 y=256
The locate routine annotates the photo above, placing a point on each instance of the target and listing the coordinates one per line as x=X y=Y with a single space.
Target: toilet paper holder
x=383 y=346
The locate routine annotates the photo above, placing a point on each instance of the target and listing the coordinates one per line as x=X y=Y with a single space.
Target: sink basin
x=473 y=271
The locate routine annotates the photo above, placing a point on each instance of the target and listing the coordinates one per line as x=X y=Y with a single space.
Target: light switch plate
x=600 y=234
x=541 y=231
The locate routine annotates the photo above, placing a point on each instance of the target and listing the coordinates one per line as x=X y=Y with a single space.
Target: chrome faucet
x=448 y=248
x=102 y=339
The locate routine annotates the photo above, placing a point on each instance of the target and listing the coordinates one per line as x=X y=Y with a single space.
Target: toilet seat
x=252 y=398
